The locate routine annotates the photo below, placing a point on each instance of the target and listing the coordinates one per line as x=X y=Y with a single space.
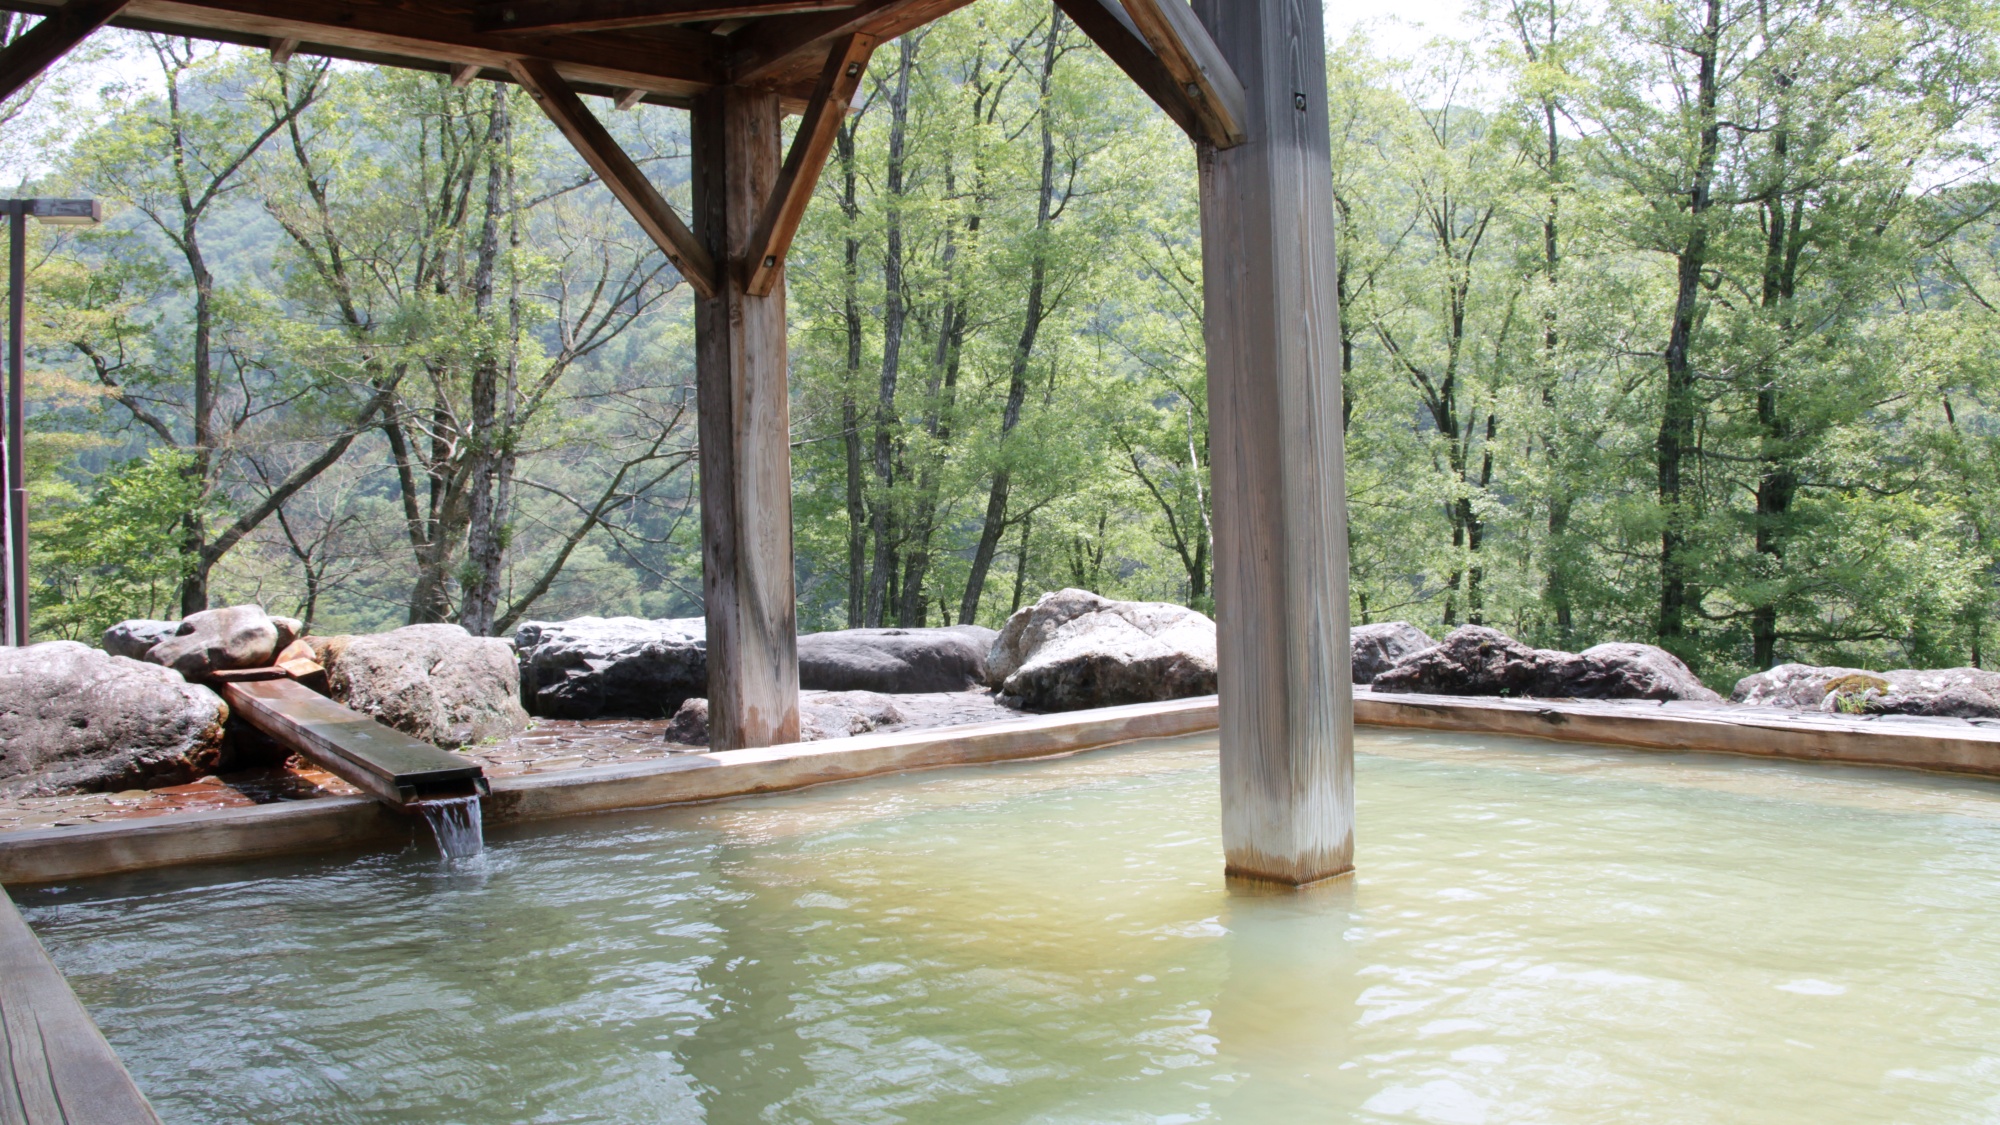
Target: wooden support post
x=600 y=150
x=1272 y=326
x=463 y=74
x=282 y=50
x=779 y=222
x=23 y=60
x=745 y=433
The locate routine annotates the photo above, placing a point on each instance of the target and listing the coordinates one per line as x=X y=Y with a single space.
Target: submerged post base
x=1277 y=877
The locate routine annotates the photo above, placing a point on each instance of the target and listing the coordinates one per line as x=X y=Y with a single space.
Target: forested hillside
x=1666 y=322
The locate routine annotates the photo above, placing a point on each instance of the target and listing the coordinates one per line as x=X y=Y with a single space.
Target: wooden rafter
x=23 y=60
x=1183 y=45
x=775 y=52
x=600 y=15
x=670 y=64
x=779 y=223
x=618 y=171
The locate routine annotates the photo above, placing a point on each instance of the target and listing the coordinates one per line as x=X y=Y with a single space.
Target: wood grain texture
x=23 y=60
x=611 y=163
x=1201 y=76
x=600 y=15
x=780 y=51
x=666 y=61
x=846 y=65
x=1272 y=327
x=377 y=759
x=55 y=1067
x=745 y=435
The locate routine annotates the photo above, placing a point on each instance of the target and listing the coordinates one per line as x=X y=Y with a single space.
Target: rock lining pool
x=1535 y=933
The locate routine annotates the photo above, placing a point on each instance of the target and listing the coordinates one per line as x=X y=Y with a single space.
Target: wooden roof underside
x=604 y=47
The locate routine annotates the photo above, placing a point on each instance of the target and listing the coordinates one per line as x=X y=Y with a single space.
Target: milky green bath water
x=1536 y=934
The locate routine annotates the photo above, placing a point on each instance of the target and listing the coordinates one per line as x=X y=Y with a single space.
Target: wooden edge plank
x=1643 y=725
x=38 y=48
x=616 y=168
x=1132 y=55
x=55 y=855
x=51 y=855
x=604 y=15
x=1201 y=75
x=692 y=778
x=846 y=64
x=57 y=1066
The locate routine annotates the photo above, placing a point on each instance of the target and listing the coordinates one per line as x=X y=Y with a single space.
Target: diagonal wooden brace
x=618 y=171
x=23 y=60
x=1163 y=48
x=779 y=224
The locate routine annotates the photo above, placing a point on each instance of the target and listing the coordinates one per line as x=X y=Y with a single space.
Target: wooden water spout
x=394 y=768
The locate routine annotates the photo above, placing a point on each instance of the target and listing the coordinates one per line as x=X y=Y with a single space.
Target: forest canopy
x=1669 y=322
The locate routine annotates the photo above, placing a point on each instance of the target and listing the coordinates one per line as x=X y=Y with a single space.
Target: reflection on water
x=1535 y=934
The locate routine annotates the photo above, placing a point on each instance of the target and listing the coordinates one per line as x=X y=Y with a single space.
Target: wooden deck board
x=55 y=1067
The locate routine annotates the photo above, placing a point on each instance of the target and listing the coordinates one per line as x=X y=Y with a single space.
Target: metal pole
x=17 y=486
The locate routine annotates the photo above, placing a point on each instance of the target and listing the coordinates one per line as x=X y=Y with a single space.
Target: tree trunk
x=995 y=523
x=850 y=414
x=483 y=533
x=1675 y=443
x=882 y=518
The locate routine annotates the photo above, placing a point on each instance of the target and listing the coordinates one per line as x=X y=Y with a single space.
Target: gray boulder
x=611 y=667
x=1475 y=660
x=435 y=682
x=1073 y=649
x=1959 y=693
x=74 y=719
x=221 y=640
x=1622 y=670
x=822 y=716
x=133 y=639
x=895 y=660
x=1376 y=648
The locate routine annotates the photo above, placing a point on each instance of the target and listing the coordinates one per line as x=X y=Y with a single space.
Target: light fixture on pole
x=49 y=212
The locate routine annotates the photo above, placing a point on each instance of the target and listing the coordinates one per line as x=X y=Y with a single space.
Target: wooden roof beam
x=1107 y=26
x=776 y=51
x=1163 y=47
x=601 y=15
x=779 y=224
x=618 y=171
x=1204 y=77
x=38 y=48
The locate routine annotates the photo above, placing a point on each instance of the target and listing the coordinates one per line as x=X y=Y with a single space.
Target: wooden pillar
x=745 y=434
x=1274 y=416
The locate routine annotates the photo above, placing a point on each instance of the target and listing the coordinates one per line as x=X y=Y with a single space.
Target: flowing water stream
x=1536 y=933
x=456 y=824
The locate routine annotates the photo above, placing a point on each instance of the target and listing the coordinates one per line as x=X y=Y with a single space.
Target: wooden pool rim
x=55 y=855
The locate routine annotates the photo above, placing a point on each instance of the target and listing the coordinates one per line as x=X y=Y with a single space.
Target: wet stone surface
x=296 y=781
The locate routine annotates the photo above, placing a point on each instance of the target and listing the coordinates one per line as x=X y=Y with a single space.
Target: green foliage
x=114 y=552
